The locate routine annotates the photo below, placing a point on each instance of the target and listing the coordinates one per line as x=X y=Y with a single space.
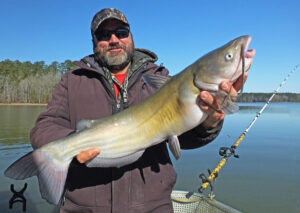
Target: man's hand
x=208 y=103
x=87 y=155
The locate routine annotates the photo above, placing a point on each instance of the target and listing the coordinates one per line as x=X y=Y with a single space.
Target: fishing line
x=228 y=152
x=243 y=53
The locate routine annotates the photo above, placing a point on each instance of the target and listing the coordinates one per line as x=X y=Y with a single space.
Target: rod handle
x=214 y=173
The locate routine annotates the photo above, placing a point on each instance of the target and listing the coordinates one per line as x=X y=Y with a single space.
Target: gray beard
x=114 y=63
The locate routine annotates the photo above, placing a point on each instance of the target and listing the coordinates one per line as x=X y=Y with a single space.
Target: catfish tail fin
x=51 y=173
x=22 y=168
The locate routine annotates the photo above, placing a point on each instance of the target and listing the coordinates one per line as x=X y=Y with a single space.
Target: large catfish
x=123 y=137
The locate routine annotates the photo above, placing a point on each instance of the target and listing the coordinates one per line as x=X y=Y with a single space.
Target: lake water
x=266 y=177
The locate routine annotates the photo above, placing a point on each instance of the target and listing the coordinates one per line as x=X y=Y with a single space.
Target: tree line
x=27 y=82
x=264 y=97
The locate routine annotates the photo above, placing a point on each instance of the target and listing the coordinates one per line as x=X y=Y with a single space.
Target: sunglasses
x=105 y=35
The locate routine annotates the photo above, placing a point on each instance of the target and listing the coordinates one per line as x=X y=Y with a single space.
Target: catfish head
x=225 y=63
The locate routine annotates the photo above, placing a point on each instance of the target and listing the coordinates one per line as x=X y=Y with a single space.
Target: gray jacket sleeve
x=54 y=123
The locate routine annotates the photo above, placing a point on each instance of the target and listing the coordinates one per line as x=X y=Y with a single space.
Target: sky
x=179 y=32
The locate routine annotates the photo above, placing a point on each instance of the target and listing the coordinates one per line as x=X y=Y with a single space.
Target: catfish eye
x=228 y=56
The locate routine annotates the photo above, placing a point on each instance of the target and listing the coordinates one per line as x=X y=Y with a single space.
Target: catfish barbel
x=166 y=114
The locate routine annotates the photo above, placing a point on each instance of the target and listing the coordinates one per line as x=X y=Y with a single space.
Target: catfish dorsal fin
x=155 y=81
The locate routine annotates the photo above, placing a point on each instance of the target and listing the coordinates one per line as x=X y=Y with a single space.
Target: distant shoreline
x=264 y=97
x=244 y=98
x=22 y=104
x=36 y=104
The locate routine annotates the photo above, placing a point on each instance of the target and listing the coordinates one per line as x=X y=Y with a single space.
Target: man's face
x=114 y=52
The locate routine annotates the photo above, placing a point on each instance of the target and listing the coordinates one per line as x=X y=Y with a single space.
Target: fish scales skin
x=139 y=127
x=168 y=113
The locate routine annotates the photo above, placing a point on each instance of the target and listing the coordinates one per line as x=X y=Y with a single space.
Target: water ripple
x=16 y=138
x=14 y=146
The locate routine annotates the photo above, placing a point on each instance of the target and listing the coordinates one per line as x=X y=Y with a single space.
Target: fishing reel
x=226 y=152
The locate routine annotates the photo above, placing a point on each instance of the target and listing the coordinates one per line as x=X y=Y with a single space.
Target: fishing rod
x=227 y=152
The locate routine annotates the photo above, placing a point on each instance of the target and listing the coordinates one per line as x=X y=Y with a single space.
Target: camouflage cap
x=105 y=14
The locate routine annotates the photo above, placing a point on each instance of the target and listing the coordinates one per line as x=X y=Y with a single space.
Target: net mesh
x=187 y=202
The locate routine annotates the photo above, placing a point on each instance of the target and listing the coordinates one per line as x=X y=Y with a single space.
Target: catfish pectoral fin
x=230 y=107
x=174 y=146
x=225 y=102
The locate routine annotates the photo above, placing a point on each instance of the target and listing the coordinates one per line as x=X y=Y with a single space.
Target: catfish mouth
x=250 y=53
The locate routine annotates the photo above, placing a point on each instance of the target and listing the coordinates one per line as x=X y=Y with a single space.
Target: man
x=108 y=81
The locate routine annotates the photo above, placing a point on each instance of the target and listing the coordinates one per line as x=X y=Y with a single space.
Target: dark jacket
x=143 y=186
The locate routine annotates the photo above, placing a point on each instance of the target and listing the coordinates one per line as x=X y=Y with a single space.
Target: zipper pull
x=118 y=104
x=125 y=97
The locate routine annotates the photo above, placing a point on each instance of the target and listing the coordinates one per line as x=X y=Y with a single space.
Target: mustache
x=114 y=46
